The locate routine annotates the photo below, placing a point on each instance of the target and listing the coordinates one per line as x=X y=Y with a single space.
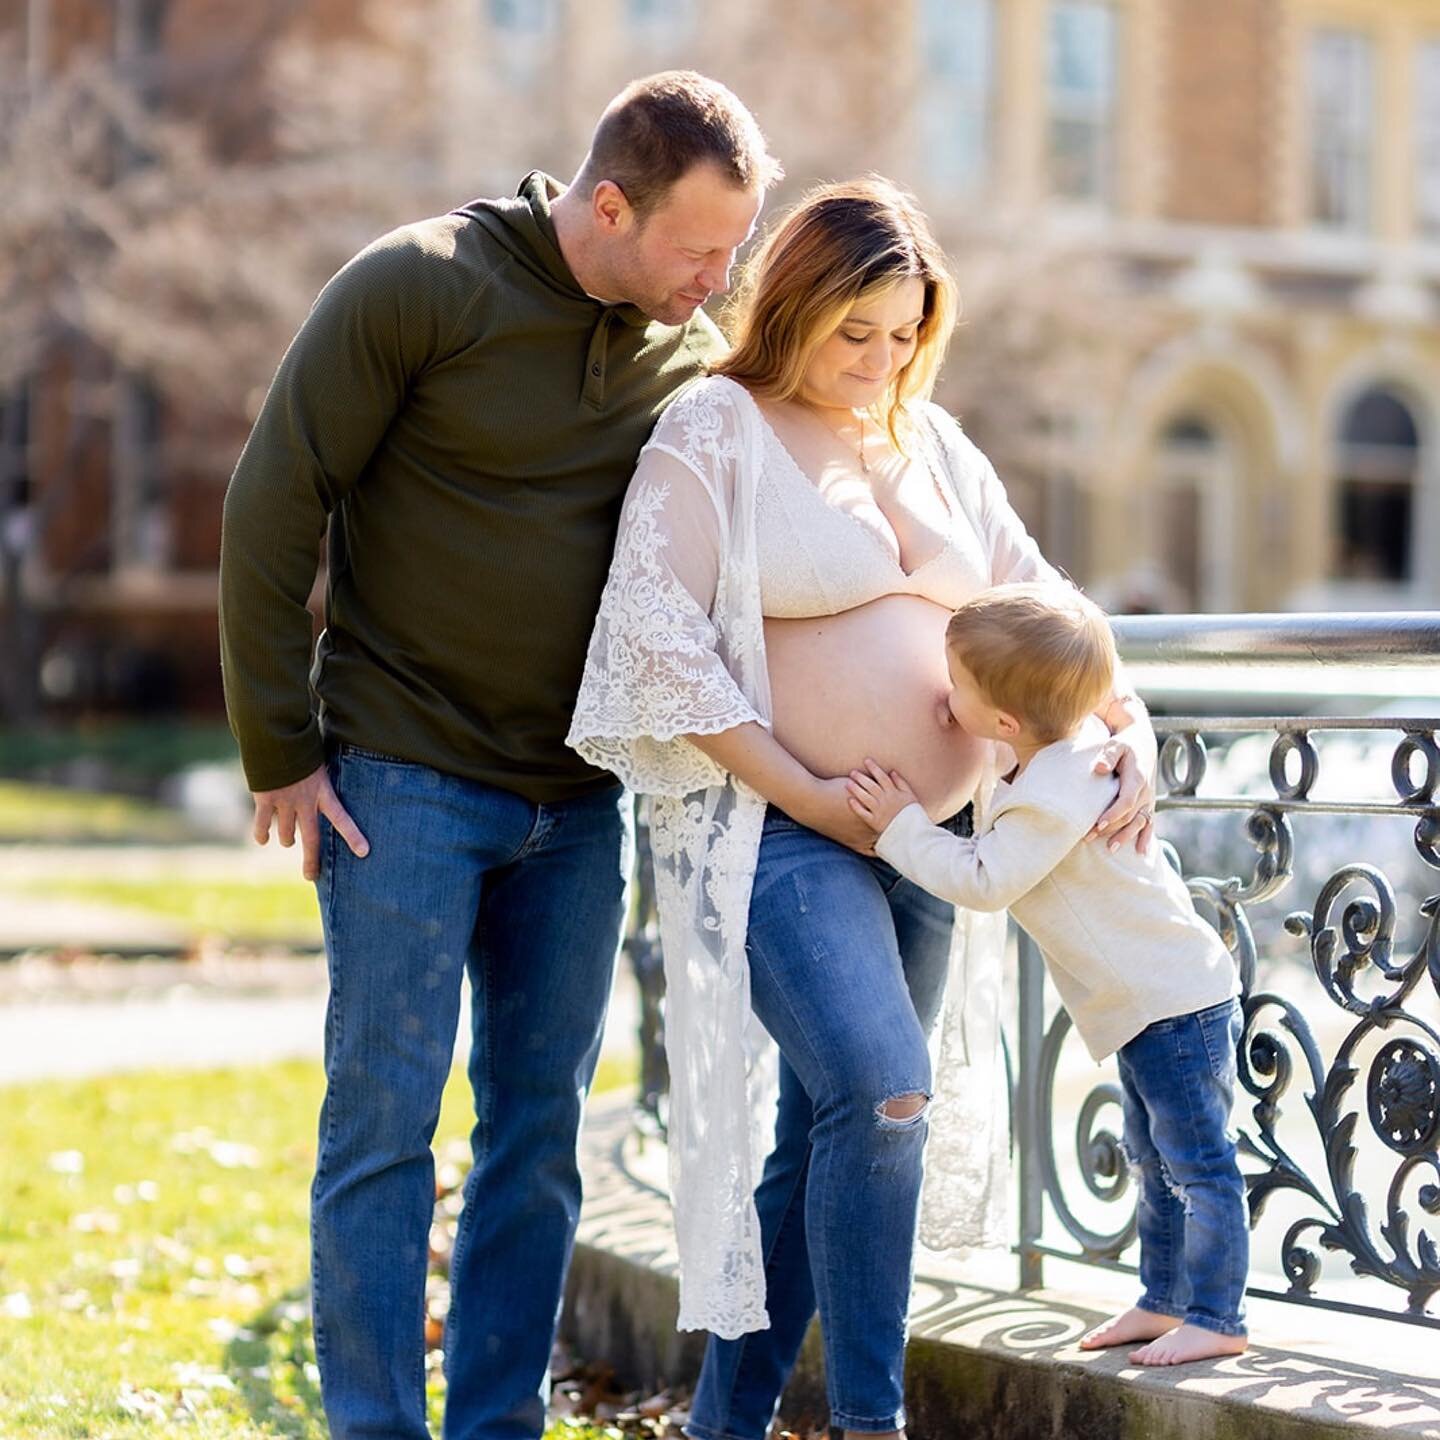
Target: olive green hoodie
x=466 y=418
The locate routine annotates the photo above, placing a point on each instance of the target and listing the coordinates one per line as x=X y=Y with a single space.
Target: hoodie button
x=595 y=371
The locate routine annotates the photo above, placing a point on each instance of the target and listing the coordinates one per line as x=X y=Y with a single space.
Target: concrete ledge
x=985 y=1361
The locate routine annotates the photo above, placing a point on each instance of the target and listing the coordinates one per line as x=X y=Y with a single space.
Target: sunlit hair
x=1041 y=652
x=658 y=128
x=840 y=244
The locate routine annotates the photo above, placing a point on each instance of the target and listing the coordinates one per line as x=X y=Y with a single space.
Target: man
x=465 y=405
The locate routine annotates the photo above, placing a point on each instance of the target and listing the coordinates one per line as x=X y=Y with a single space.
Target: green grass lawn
x=53 y=815
x=154 y=1253
x=240 y=910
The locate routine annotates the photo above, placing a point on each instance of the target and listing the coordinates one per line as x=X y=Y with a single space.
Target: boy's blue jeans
x=528 y=899
x=847 y=969
x=1178 y=1080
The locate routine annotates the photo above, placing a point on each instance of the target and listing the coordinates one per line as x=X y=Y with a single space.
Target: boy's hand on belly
x=878 y=795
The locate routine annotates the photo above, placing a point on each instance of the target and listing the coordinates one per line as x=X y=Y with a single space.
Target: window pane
x=669 y=14
x=1341 y=104
x=1082 y=55
x=1378 y=458
x=957 y=49
x=524 y=17
x=1082 y=73
x=1427 y=138
x=1374 y=531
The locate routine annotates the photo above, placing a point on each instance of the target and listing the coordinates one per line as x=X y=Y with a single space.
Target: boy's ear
x=1008 y=726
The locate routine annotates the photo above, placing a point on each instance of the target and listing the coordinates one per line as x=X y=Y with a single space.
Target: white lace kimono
x=678 y=649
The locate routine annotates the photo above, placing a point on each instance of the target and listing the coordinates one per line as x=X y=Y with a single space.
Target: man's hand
x=302 y=804
x=1132 y=814
x=878 y=795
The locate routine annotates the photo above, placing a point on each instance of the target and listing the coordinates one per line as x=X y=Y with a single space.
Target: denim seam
x=1173 y=1262
x=1195 y=1126
x=361 y=753
x=1205 y=1036
x=883 y=1423
x=819 y=1261
x=801 y=1184
x=1154 y=1307
x=700 y=1432
x=470 y=1208
x=327 y=1140
x=1216 y=1327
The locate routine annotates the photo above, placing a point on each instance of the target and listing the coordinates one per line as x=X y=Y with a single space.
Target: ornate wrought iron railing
x=1339 y=1107
x=1340 y=1152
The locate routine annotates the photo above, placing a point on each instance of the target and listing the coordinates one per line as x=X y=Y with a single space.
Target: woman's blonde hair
x=1040 y=651
x=839 y=243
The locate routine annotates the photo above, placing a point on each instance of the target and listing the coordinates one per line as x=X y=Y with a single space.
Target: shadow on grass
x=271 y=1359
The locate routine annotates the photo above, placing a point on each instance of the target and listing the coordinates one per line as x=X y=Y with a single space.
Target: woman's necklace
x=858 y=448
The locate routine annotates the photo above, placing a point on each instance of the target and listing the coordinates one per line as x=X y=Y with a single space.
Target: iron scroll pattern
x=1352 y=942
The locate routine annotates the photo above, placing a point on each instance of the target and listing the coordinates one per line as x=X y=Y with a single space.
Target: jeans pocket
x=1220 y=1029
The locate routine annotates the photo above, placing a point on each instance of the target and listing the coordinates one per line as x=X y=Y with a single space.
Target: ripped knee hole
x=902 y=1109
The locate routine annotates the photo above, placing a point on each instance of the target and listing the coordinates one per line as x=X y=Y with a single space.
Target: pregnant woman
x=798 y=530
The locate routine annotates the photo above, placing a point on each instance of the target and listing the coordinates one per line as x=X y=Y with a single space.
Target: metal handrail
x=1393 y=1039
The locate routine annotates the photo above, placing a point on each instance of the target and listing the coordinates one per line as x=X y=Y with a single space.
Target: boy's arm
x=988 y=872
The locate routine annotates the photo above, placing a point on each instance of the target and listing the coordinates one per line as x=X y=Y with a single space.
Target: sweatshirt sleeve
x=987 y=872
x=371 y=332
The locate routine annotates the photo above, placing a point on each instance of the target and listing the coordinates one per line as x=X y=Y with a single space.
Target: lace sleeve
x=657 y=664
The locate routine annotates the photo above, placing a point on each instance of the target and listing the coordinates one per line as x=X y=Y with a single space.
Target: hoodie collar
x=540 y=191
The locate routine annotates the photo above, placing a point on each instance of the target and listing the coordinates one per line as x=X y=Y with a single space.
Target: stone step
x=988 y=1362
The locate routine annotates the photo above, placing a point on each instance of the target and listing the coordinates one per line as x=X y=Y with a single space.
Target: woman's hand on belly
x=827 y=809
x=751 y=753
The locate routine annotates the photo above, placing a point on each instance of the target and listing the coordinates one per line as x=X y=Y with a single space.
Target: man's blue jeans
x=529 y=900
x=847 y=971
x=1178 y=1081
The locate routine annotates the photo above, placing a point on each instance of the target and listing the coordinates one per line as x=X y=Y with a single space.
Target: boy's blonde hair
x=1041 y=652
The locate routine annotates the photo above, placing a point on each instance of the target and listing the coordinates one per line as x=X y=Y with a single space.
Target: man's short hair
x=1040 y=651
x=658 y=128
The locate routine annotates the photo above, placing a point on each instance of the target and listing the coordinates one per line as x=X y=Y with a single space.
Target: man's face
x=671 y=262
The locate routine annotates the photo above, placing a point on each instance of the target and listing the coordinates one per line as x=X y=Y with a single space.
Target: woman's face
x=853 y=367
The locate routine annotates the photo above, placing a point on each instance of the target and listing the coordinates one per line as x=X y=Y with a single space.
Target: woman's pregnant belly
x=873 y=681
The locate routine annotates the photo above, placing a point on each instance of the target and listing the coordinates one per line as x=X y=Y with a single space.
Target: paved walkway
x=36 y=921
x=95 y=1017
x=979 y=1343
x=65 y=1012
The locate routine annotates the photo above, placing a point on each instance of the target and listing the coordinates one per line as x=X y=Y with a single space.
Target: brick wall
x=1219 y=106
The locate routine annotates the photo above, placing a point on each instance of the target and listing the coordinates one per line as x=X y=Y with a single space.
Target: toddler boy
x=1136 y=967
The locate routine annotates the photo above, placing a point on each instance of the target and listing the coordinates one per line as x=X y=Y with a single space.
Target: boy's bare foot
x=1189 y=1342
x=1135 y=1324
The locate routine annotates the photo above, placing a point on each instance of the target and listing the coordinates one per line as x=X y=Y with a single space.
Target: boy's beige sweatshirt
x=1119 y=932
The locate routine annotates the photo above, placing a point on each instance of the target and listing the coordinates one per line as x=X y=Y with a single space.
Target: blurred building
x=134 y=135
x=1199 y=245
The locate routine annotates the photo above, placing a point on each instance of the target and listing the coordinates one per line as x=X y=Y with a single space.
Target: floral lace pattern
x=679 y=648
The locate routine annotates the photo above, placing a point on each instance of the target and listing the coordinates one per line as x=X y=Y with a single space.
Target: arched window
x=1194 y=543
x=1377 y=463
